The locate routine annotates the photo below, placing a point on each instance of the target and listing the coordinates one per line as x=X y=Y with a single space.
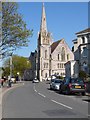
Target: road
x=37 y=101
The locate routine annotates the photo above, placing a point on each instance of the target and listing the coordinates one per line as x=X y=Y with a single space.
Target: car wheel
x=83 y=93
x=60 y=91
x=50 y=88
x=67 y=91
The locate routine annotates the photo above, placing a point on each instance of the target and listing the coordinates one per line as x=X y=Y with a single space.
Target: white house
x=71 y=69
x=82 y=50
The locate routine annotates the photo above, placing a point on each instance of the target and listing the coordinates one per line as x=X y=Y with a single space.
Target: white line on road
x=85 y=101
x=61 y=104
x=35 y=90
x=42 y=95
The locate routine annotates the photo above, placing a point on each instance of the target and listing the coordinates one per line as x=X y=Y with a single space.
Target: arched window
x=45 y=53
x=58 y=57
x=45 y=75
x=63 y=54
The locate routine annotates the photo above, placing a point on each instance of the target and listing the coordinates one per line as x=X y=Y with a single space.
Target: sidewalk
x=5 y=87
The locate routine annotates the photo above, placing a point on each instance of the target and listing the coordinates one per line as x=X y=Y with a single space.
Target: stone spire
x=43 y=27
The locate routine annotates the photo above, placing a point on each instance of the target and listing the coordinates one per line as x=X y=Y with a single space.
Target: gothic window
x=45 y=53
x=58 y=57
x=47 y=65
x=58 y=65
x=45 y=75
x=44 y=65
x=63 y=54
x=62 y=65
x=61 y=74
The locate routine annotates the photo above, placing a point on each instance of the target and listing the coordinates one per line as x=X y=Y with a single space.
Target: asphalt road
x=37 y=101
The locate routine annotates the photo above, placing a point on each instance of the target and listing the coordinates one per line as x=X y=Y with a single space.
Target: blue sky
x=64 y=19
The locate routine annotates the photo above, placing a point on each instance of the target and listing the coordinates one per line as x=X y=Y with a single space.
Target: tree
x=14 y=31
x=82 y=74
x=20 y=64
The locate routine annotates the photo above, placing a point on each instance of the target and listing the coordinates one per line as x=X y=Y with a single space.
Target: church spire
x=43 y=26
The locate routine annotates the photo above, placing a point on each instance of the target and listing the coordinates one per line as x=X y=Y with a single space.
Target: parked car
x=72 y=85
x=51 y=83
x=35 y=80
x=55 y=84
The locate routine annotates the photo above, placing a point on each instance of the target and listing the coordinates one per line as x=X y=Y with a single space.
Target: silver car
x=55 y=84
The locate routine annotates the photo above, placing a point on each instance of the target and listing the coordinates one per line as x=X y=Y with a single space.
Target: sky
x=64 y=19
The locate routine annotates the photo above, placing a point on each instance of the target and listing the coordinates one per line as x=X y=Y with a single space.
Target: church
x=50 y=57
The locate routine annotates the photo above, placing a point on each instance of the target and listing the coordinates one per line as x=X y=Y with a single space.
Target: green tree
x=20 y=64
x=82 y=74
x=14 y=31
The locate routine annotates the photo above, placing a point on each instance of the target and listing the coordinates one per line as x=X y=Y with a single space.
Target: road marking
x=35 y=90
x=34 y=87
x=85 y=101
x=42 y=95
x=61 y=104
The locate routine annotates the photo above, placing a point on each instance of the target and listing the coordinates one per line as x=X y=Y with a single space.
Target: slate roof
x=84 y=31
x=54 y=45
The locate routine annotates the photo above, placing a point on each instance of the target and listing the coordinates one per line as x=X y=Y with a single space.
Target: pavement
x=5 y=89
x=38 y=101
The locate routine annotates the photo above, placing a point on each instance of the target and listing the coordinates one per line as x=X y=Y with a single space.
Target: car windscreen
x=57 y=81
x=77 y=81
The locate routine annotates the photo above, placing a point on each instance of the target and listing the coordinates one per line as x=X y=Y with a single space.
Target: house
x=82 y=50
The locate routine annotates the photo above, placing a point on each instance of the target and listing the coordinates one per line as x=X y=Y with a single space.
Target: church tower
x=44 y=50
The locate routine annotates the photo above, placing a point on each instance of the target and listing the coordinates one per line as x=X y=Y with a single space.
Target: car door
x=66 y=84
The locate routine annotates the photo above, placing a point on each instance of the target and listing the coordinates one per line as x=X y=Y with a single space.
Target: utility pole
x=10 y=66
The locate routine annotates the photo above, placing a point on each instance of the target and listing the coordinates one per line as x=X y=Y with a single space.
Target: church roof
x=84 y=31
x=54 y=45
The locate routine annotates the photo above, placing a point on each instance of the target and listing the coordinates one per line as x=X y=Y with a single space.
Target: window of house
x=67 y=56
x=45 y=53
x=83 y=39
x=84 y=51
x=63 y=54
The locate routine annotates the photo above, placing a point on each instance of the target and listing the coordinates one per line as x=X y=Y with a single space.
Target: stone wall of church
x=57 y=64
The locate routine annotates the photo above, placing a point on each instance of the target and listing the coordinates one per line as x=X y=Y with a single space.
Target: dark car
x=72 y=85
